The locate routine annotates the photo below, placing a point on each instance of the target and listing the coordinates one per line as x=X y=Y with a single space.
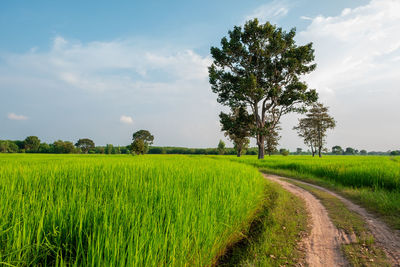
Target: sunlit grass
x=373 y=181
x=122 y=210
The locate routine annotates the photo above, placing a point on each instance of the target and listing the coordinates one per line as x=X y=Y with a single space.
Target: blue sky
x=104 y=70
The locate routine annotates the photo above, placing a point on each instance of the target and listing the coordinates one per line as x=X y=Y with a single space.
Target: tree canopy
x=31 y=144
x=237 y=127
x=141 y=141
x=85 y=144
x=259 y=67
x=314 y=126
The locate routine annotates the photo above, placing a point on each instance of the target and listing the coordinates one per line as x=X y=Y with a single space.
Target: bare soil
x=323 y=244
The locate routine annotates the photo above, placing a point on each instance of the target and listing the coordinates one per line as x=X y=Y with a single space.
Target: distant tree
x=138 y=147
x=63 y=147
x=363 y=152
x=237 y=127
x=44 y=148
x=272 y=140
x=314 y=126
x=299 y=150
x=141 y=141
x=117 y=150
x=337 y=150
x=221 y=147
x=109 y=148
x=350 y=151
x=85 y=145
x=7 y=146
x=31 y=144
x=259 y=66
x=284 y=152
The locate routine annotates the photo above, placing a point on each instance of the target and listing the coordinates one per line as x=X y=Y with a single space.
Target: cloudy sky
x=104 y=70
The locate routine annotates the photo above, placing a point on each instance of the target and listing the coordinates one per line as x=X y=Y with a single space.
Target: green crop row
x=121 y=210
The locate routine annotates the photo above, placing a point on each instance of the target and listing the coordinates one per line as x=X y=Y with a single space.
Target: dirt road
x=323 y=244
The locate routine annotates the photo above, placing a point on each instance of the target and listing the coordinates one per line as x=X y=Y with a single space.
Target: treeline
x=198 y=151
x=32 y=144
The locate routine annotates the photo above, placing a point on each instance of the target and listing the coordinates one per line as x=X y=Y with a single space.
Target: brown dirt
x=387 y=238
x=323 y=244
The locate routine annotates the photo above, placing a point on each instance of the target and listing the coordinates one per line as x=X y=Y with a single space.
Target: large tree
x=141 y=141
x=314 y=126
x=259 y=67
x=237 y=127
x=85 y=145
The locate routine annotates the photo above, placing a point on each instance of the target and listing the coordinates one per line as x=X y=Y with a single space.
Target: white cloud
x=126 y=119
x=357 y=72
x=272 y=11
x=104 y=66
x=13 y=116
x=166 y=87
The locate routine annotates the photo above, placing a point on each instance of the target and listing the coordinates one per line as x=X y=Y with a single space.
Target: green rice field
x=372 y=181
x=120 y=210
x=168 y=210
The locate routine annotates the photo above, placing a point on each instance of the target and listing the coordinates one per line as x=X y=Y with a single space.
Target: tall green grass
x=84 y=210
x=354 y=171
x=373 y=181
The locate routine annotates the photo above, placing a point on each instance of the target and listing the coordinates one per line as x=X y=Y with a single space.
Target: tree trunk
x=319 y=152
x=261 y=149
x=239 y=152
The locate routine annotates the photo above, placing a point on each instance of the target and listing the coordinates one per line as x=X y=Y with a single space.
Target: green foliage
x=221 y=147
x=94 y=210
x=109 y=149
x=31 y=144
x=284 y=152
x=237 y=126
x=337 y=150
x=272 y=140
x=142 y=139
x=85 y=145
x=63 y=147
x=7 y=146
x=313 y=127
x=259 y=67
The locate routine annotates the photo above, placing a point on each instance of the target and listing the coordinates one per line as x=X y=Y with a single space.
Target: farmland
x=372 y=181
x=123 y=210
x=178 y=210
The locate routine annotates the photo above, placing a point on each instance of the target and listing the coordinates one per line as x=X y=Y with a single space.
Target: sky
x=104 y=70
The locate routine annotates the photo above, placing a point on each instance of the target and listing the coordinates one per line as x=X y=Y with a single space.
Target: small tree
x=109 y=148
x=337 y=150
x=350 y=151
x=314 y=126
x=85 y=145
x=31 y=144
x=221 y=147
x=237 y=127
x=272 y=140
x=299 y=150
x=141 y=141
x=284 y=152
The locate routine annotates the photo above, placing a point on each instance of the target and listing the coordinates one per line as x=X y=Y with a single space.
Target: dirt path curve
x=385 y=237
x=323 y=244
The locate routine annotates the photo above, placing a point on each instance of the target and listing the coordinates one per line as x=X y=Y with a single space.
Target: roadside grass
x=384 y=204
x=274 y=234
x=371 y=181
x=360 y=252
